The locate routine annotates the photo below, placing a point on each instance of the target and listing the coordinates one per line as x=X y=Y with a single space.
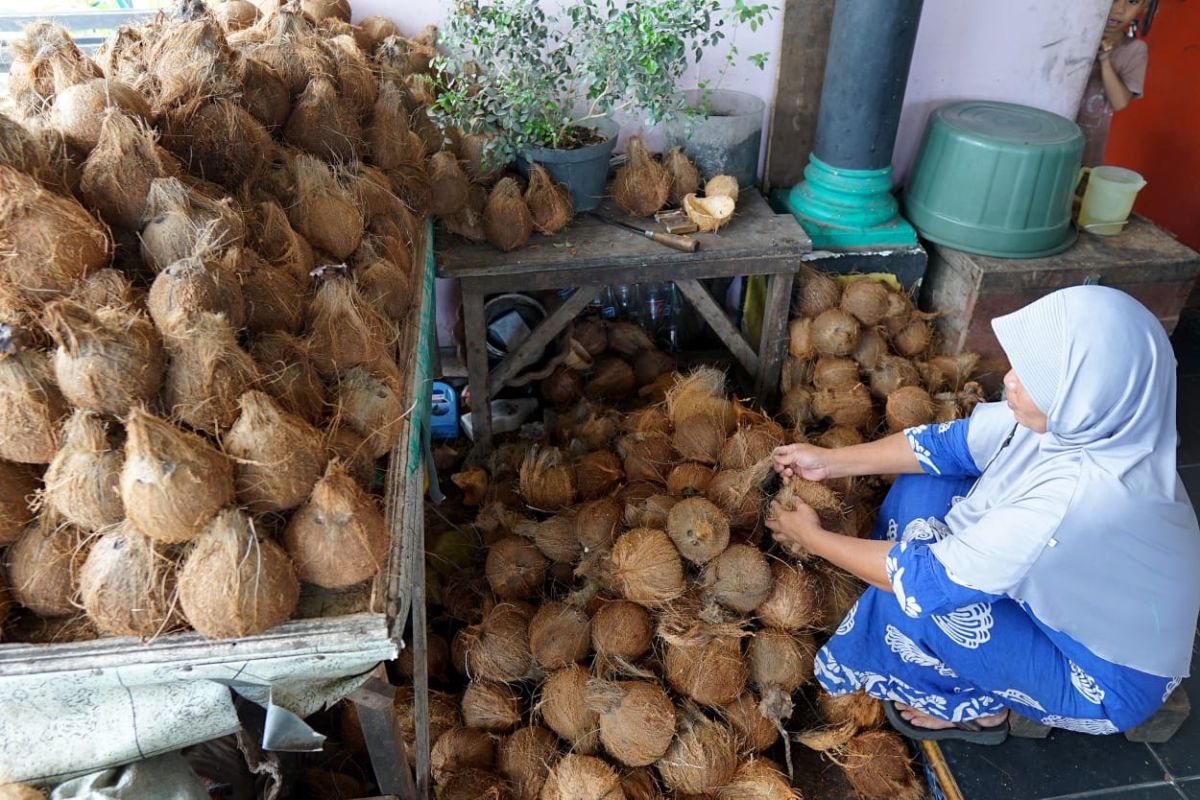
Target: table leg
x=385 y=744
x=475 y=333
x=773 y=343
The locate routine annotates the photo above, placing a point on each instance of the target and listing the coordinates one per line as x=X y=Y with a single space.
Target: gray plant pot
x=584 y=171
x=727 y=141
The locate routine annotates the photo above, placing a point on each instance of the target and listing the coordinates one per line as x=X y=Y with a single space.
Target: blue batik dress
x=958 y=653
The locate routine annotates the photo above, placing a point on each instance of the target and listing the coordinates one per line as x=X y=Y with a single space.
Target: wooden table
x=590 y=255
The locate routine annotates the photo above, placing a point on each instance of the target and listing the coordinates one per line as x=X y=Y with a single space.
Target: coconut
x=635 y=493
x=949 y=373
x=473 y=483
x=797 y=406
x=274 y=298
x=781 y=659
x=646 y=456
x=555 y=537
x=319 y=10
x=474 y=784
x=106 y=288
x=17 y=488
x=235 y=15
x=846 y=405
x=611 y=379
x=22 y=150
x=559 y=635
x=322 y=123
x=436 y=658
x=749 y=446
x=172 y=482
x=501 y=651
x=288 y=375
x=106 y=361
x=637 y=719
x=468 y=223
x=491 y=707
x=835 y=333
x=701 y=391
x=79 y=110
x=722 y=186
x=515 y=569
x=45 y=61
x=458 y=749
x=275 y=240
x=824 y=500
x=698 y=529
x=596 y=524
x=642 y=186
x=739 y=504
x=945 y=407
x=32 y=407
x=757 y=779
x=739 y=578
x=689 y=479
x=549 y=202
x=478 y=160
x=354 y=73
x=375 y=198
x=833 y=372
x=800 y=343
x=525 y=759
x=645 y=568
x=449 y=184
x=816 y=292
x=116 y=177
x=191 y=59
x=621 y=631
x=278 y=456
x=701 y=759
x=841 y=591
x=685 y=178
x=597 y=473
x=651 y=363
x=179 y=218
x=410 y=183
x=376 y=29
x=699 y=437
x=640 y=784
x=913 y=339
x=891 y=374
x=564 y=709
x=708 y=213
x=82 y=482
x=597 y=431
x=709 y=670
x=794 y=601
x=867 y=300
x=627 y=338
x=265 y=94
x=127 y=584
x=563 y=388
x=507 y=221
x=592 y=334
x=756 y=732
x=191 y=285
x=580 y=777
x=207 y=372
x=219 y=140
x=877 y=765
x=871 y=348
x=43 y=565
x=908 y=407
x=47 y=242
x=651 y=512
x=344 y=331
x=324 y=212
x=547 y=484
x=855 y=710
x=971 y=395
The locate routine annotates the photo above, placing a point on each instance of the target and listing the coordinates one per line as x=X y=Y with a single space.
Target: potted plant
x=542 y=87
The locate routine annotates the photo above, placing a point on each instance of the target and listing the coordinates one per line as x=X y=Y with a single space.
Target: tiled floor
x=1076 y=766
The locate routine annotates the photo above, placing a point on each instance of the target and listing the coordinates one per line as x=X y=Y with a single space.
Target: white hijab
x=1088 y=525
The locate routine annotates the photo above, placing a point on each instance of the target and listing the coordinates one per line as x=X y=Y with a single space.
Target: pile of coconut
x=210 y=237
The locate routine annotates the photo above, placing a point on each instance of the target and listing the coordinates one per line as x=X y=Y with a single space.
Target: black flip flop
x=968 y=731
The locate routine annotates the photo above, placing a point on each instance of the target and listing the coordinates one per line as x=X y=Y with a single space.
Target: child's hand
x=1106 y=48
x=805 y=460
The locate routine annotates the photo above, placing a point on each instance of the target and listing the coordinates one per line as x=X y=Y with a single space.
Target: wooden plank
x=711 y=313
x=588 y=244
x=772 y=346
x=801 y=71
x=477 y=370
x=538 y=338
x=385 y=744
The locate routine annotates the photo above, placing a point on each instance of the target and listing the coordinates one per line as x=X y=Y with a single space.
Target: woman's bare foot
x=923 y=720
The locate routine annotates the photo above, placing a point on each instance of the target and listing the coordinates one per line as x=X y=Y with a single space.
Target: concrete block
x=1026 y=728
x=1165 y=722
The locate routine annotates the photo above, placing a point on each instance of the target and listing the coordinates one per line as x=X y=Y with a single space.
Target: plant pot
x=727 y=141
x=584 y=170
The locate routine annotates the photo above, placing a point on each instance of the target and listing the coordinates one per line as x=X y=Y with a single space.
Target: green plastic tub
x=996 y=179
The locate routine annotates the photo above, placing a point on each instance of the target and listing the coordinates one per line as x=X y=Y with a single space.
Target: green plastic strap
x=421 y=379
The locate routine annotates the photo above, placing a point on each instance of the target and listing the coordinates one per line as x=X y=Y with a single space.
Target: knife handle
x=685 y=244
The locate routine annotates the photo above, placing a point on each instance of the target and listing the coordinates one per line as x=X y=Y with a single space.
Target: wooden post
x=801 y=71
x=381 y=730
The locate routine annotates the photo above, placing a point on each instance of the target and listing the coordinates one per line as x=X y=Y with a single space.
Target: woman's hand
x=795 y=530
x=806 y=460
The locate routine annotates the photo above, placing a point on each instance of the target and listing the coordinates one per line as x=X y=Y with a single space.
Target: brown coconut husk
x=972 y=394
x=219 y=140
x=116 y=177
x=758 y=779
x=373 y=191
x=353 y=450
x=323 y=124
x=689 y=479
x=621 y=632
x=105 y=361
x=642 y=186
x=637 y=719
x=945 y=373
x=780 y=659
x=833 y=371
x=701 y=391
x=172 y=482
x=564 y=709
x=207 y=371
x=867 y=300
x=83 y=480
x=324 y=212
x=194 y=285
x=650 y=364
x=646 y=456
x=596 y=524
x=354 y=73
x=592 y=334
x=235 y=15
x=795 y=599
x=597 y=473
x=547 y=482
x=877 y=764
x=449 y=185
x=644 y=567
x=289 y=375
x=611 y=379
x=525 y=758
x=909 y=406
x=477 y=161
x=33 y=408
x=375 y=30
x=562 y=388
x=702 y=758
x=891 y=374
x=945 y=407
x=273 y=237
x=914 y=339
x=491 y=707
x=841 y=591
x=559 y=635
x=596 y=432
x=709 y=671
x=651 y=512
x=507 y=221
x=345 y=331
x=856 y=710
x=699 y=437
x=816 y=292
x=628 y=338
x=824 y=500
x=851 y=406
x=871 y=348
x=18 y=486
x=24 y=151
x=515 y=568
x=179 y=218
x=468 y=223
x=555 y=537
x=191 y=58
x=739 y=578
x=755 y=732
x=460 y=748
x=45 y=61
x=580 y=777
x=800 y=342
x=835 y=333
x=278 y=457
x=20 y=791
x=390 y=141
x=797 y=406
x=501 y=651
x=685 y=178
x=47 y=242
x=474 y=484
x=749 y=446
x=549 y=202
x=43 y=566
x=234 y=582
x=640 y=784
x=739 y=503
x=709 y=213
x=127 y=584
x=106 y=288
x=265 y=93
x=274 y=299
x=722 y=186
x=698 y=529
x=79 y=110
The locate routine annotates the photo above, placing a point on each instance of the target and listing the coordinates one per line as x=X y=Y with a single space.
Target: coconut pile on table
x=207 y=244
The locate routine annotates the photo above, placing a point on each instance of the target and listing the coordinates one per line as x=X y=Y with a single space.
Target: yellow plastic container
x=1108 y=198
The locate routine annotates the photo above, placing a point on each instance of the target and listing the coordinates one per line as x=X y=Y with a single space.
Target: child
x=1117 y=76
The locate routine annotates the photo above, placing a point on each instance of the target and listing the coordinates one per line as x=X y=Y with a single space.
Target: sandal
x=968 y=731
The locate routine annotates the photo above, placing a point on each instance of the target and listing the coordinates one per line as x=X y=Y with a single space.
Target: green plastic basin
x=996 y=179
